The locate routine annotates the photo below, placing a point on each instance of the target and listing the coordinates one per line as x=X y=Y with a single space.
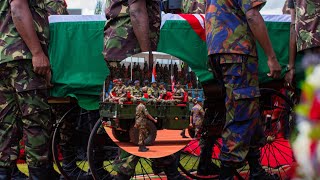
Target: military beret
x=115 y=81
x=144 y=99
x=146 y=81
x=136 y=81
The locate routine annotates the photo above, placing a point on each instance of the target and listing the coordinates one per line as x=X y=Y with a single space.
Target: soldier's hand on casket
x=41 y=64
x=275 y=68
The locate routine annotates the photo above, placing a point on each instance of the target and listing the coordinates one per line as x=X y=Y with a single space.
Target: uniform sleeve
x=290 y=4
x=246 y=5
x=202 y=112
x=145 y=111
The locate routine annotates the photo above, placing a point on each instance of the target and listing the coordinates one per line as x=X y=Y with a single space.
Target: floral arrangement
x=307 y=145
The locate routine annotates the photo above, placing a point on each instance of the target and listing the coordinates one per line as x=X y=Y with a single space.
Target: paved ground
x=167 y=143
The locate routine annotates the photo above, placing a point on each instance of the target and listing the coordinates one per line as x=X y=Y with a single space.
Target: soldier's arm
x=260 y=32
x=23 y=21
x=146 y=113
x=140 y=22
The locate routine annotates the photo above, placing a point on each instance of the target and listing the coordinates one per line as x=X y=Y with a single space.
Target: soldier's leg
x=35 y=111
x=10 y=123
x=142 y=137
x=125 y=164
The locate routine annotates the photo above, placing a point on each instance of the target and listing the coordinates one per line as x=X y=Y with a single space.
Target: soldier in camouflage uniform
x=153 y=93
x=136 y=92
x=142 y=117
x=178 y=94
x=233 y=59
x=56 y=7
x=25 y=77
x=305 y=32
x=193 y=6
x=120 y=92
x=196 y=117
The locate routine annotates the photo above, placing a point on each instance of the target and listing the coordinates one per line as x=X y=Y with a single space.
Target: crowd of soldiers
x=155 y=94
x=164 y=72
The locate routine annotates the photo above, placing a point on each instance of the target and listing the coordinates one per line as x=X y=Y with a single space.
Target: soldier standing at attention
x=233 y=58
x=142 y=117
x=196 y=116
x=25 y=75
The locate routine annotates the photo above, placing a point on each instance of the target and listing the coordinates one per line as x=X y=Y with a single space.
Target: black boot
x=183 y=133
x=173 y=173
x=5 y=173
x=121 y=176
x=258 y=173
x=38 y=173
x=143 y=148
x=16 y=174
x=226 y=172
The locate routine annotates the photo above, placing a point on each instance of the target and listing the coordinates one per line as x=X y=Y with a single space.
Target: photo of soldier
x=142 y=117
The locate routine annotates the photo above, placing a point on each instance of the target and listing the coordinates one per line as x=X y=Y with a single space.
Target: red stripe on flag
x=195 y=25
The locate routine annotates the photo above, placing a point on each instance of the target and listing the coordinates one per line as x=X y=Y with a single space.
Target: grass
x=142 y=167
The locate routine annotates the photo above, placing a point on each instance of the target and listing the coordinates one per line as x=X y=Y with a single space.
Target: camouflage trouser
x=198 y=127
x=126 y=163
x=242 y=131
x=142 y=135
x=24 y=111
x=141 y=125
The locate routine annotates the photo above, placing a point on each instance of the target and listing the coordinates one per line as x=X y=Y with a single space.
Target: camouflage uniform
x=120 y=92
x=177 y=92
x=24 y=110
x=141 y=122
x=120 y=41
x=153 y=94
x=197 y=113
x=307 y=23
x=137 y=93
x=233 y=59
x=56 y=7
x=193 y=6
